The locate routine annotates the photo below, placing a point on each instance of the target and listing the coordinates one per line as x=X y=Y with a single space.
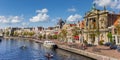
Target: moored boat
x=50 y=44
x=23 y=47
x=0 y=40
x=48 y=55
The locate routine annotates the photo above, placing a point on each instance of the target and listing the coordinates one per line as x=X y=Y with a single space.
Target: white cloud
x=41 y=16
x=25 y=24
x=42 y=11
x=74 y=17
x=10 y=19
x=3 y=19
x=55 y=19
x=15 y=19
x=72 y=10
x=102 y=2
x=118 y=7
x=110 y=3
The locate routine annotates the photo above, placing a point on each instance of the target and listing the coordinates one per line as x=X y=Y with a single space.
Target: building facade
x=97 y=23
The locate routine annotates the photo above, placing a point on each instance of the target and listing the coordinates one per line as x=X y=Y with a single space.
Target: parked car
x=113 y=46
x=89 y=45
x=108 y=44
x=118 y=48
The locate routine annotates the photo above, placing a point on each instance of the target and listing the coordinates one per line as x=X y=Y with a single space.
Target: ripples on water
x=10 y=50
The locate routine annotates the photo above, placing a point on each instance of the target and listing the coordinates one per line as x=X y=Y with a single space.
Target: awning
x=56 y=33
x=76 y=37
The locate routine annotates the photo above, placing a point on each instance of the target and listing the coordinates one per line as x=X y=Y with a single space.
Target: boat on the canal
x=48 y=55
x=23 y=47
x=0 y=40
x=50 y=44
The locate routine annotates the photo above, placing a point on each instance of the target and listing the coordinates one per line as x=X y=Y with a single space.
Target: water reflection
x=10 y=50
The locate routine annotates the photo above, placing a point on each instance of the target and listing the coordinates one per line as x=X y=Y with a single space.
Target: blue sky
x=24 y=13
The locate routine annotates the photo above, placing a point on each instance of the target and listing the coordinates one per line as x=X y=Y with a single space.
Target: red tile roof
x=117 y=21
x=71 y=25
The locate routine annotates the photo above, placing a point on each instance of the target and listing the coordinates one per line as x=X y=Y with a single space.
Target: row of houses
x=21 y=32
x=95 y=27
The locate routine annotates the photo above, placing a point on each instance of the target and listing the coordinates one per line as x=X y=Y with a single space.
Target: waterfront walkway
x=99 y=50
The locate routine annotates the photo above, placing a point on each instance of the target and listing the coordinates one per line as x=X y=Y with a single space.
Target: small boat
x=49 y=44
x=23 y=47
x=37 y=42
x=48 y=55
x=0 y=40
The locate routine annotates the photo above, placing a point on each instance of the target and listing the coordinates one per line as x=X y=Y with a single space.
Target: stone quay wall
x=85 y=53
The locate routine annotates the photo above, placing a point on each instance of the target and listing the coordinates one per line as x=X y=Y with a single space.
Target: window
x=113 y=38
x=94 y=20
x=118 y=38
x=115 y=31
x=92 y=23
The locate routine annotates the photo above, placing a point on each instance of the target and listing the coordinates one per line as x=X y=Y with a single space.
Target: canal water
x=10 y=50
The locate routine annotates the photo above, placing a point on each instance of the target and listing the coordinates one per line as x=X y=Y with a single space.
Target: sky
x=34 y=13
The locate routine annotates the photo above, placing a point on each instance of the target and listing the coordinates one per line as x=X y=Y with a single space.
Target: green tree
x=40 y=36
x=54 y=36
x=16 y=33
x=44 y=36
x=49 y=36
x=75 y=31
x=7 y=33
x=63 y=34
x=59 y=36
x=25 y=33
x=31 y=33
x=109 y=35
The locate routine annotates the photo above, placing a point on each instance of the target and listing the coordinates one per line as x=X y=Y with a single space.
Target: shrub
x=54 y=36
x=40 y=36
x=85 y=42
x=101 y=42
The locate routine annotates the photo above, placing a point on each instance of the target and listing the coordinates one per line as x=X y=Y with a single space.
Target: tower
x=93 y=7
x=61 y=23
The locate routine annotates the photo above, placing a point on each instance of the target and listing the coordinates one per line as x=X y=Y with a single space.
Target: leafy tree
x=25 y=33
x=16 y=33
x=7 y=33
x=44 y=36
x=109 y=35
x=54 y=36
x=63 y=34
x=49 y=36
x=75 y=31
x=59 y=36
x=31 y=33
x=40 y=36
